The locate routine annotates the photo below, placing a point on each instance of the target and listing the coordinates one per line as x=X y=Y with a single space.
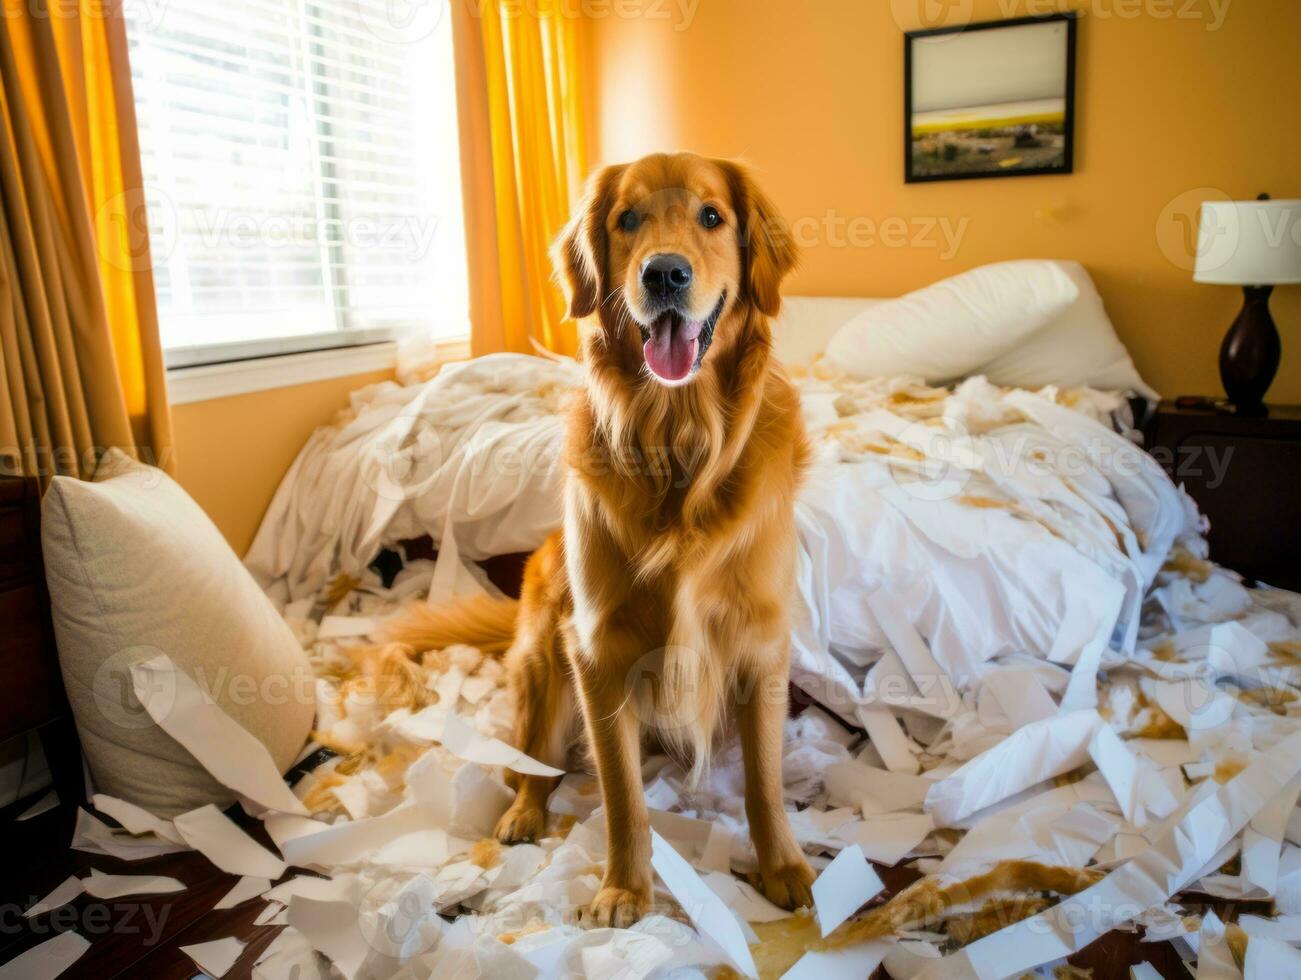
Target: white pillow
x=134 y=568
x=1080 y=347
x=806 y=324
x=948 y=330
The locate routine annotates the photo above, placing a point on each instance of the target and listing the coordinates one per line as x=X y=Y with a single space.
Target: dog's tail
x=479 y=621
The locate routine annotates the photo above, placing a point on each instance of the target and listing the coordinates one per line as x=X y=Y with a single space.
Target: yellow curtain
x=79 y=347
x=522 y=156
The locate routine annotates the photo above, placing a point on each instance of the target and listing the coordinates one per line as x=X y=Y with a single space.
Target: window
x=302 y=175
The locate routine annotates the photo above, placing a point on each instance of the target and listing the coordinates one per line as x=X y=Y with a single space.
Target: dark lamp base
x=1250 y=354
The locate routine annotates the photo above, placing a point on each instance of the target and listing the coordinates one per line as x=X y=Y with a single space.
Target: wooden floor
x=140 y=936
x=137 y=936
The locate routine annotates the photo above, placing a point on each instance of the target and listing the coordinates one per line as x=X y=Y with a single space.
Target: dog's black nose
x=664 y=275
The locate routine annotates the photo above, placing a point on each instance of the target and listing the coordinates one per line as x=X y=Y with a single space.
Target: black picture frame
x=1071 y=20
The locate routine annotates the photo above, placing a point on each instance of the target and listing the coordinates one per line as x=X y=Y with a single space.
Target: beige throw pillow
x=135 y=568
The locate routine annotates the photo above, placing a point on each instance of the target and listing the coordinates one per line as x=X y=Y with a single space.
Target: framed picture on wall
x=995 y=99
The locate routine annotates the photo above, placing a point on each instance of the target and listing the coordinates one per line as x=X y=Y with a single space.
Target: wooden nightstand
x=1245 y=474
x=32 y=697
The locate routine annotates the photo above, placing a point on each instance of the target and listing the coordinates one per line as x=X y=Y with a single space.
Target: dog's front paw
x=617 y=908
x=524 y=821
x=790 y=885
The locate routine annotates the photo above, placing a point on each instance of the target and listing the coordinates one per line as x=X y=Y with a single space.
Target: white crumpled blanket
x=478 y=444
x=996 y=522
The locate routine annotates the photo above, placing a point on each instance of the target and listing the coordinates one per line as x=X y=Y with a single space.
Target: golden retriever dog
x=664 y=603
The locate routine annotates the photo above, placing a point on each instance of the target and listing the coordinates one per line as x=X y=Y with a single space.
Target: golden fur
x=664 y=604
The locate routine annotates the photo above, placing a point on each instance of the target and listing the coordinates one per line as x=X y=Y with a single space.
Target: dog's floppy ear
x=768 y=255
x=579 y=253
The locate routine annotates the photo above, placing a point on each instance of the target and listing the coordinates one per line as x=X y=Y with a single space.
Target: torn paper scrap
x=1059 y=826
x=358 y=793
x=938 y=696
x=716 y=921
x=468 y=801
x=690 y=837
x=119 y=886
x=622 y=953
x=61 y=896
x=1269 y=959
x=1082 y=688
x=897 y=750
x=289 y=957
x=1164 y=752
x=249 y=886
x=844 y=886
x=1262 y=841
x=716 y=855
x=872 y=790
x=351 y=840
x=1025 y=758
x=1019 y=694
x=224 y=747
x=215 y=958
x=816 y=828
x=1210 y=819
x=406 y=922
x=134 y=819
x=1214 y=958
x=282 y=827
x=343 y=888
x=334 y=930
x=1197 y=706
x=216 y=837
x=425 y=725
x=887 y=838
x=48 y=960
x=421 y=849
x=465 y=743
x=1285 y=928
x=851 y=963
x=1137 y=789
x=94 y=836
x=908 y=958
x=743 y=898
x=274 y=914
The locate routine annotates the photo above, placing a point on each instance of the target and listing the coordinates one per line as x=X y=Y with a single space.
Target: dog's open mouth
x=674 y=345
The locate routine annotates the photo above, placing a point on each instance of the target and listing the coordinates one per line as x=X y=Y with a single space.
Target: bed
x=996 y=522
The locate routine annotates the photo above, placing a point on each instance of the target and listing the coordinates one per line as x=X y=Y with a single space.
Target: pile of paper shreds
x=1181 y=782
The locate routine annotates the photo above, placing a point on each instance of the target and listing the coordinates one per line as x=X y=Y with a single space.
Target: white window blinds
x=302 y=173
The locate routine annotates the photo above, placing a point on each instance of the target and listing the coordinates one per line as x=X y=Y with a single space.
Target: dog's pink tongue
x=671 y=350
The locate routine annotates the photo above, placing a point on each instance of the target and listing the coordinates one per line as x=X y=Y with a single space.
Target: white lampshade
x=1249 y=243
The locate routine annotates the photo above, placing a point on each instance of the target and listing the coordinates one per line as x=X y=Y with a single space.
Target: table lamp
x=1255 y=245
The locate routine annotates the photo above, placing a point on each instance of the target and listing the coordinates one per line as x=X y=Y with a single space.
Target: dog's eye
x=629 y=221
x=709 y=216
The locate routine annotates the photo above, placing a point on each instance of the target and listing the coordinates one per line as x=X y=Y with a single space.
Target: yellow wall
x=1174 y=96
x=232 y=452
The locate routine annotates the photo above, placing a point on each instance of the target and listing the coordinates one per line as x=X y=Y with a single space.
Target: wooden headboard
x=32 y=696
